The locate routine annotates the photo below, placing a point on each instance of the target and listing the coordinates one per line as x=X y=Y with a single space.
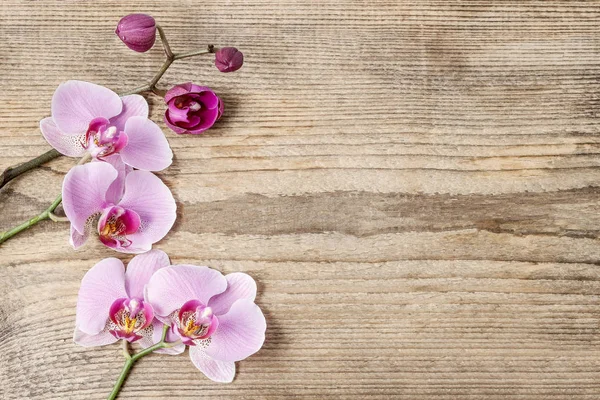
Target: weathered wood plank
x=413 y=184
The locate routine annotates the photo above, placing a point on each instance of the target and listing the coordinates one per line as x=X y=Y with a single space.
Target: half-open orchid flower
x=131 y=209
x=91 y=118
x=111 y=304
x=213 y=314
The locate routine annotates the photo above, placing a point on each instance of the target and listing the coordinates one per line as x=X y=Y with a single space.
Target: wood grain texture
x=413 y=184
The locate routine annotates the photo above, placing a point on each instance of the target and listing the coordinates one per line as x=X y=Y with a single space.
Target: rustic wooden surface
x=413 y=184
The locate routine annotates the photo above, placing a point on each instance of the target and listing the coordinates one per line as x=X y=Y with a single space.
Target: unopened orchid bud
x=229 y=59
x=137 y=31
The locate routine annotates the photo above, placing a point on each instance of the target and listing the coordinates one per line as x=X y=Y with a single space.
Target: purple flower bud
x=229 y=59
x=137 y=31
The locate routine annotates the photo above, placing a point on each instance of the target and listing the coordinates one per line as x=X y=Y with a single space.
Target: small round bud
x=137 y=31
x=229 y=59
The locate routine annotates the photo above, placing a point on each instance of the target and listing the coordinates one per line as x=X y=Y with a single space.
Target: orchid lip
x=129 y=317
x=195 y=322
x=103 y=139
x=115 y=224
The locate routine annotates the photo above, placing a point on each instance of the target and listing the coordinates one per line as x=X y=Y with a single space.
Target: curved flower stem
x=12 y=172
x=164 y=41
x=47 y=214
x=131 y=359
x=4 y=236
x=126 y=353
x=210 y=49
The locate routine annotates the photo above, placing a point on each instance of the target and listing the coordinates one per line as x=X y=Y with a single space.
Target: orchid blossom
x=111 y=305
x=214 y=315
x=91 y=118
x=131 y=209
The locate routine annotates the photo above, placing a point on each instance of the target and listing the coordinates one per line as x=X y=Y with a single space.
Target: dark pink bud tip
x=137 y=31
x=229 y=59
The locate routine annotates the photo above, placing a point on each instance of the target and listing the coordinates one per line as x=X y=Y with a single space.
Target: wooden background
x=413 y=184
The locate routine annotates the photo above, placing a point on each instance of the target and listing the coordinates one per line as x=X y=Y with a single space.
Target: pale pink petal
x=84 y=191
x=100 y=287
x=100 y=339
x=134 y=105
x=116 y=189
x=139 y=245
x=239 y=286
x=218 y=371
x=147 y=147
x=152 y=200
x=78 y=239
x=76 y=103
x=69 y=145
x=170 y=288
x=157 y=328
x=241 y=332
x=141 y=268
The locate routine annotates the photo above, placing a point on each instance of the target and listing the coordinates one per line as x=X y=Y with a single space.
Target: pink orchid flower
x=91 y=118
x=111 y=305
x=132 y=209
x=214 y=315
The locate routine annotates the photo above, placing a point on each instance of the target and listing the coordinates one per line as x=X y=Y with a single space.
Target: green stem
x=164 y=41
x=11 y=173
x=47 y=214
x=208 y=50
x=131 y=359
x=121 y=379
x=4 y=236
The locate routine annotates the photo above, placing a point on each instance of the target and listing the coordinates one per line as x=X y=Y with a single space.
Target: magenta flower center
x=115 y=224
x=185 y=110
x=128 y=317
x=195 y=321
x=103 y=139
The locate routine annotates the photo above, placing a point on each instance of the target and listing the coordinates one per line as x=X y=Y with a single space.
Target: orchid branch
x=170 y=58
x=4 y=236
x=47 y=214
x=131 y=359
x=12 y=172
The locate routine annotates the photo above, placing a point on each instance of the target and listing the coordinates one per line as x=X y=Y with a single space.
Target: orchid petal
x=239 y=286
x=68 y=145
x=169 y=288
x=76 y=103
x=215 y=370
x=241 y=332
x=147 y=147
x=116 y=189
x=100 y=287
x=152 y=200
x=134 y=105
x=84 y=191
x=78 y=239
x=141 y=268
x=100 y=339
